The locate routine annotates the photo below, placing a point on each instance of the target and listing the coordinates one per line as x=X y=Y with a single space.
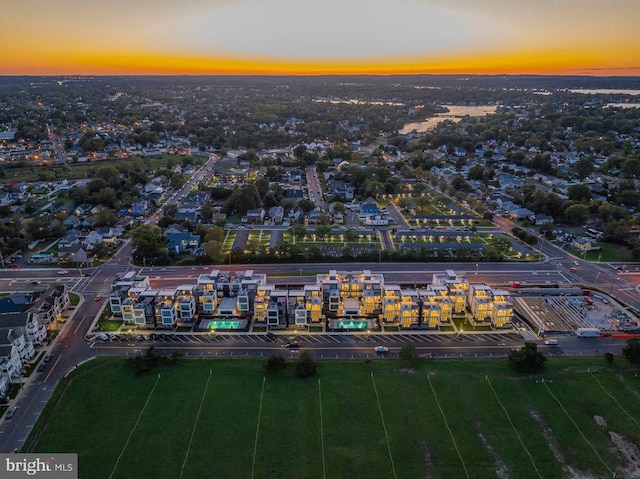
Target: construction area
x=564 y=311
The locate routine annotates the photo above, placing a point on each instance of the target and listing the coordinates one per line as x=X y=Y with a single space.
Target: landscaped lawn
x=463 y=325
x=444 y=419
x=74 y=299
x=108 y=324
x=610 y=252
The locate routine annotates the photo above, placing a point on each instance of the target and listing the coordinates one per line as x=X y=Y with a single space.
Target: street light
x=477 y=267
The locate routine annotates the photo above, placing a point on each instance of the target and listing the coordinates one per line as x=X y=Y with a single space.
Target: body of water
x=357 y=102
x=623 y=105
x=604 y=91
x=455 y=113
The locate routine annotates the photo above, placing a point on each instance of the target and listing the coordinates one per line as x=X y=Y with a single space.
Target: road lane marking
x=53 y=367
x=78 y=326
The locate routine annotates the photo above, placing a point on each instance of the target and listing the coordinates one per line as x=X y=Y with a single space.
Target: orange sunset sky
x=105 y=37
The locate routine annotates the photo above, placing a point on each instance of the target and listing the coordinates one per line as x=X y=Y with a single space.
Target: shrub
x=306 y=365
x=527 y=359
x=275 y=363
x=409 y=353
x=631 y=352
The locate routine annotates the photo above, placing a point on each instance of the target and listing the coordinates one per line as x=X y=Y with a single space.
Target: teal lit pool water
x=352 y=324
x=224 y=324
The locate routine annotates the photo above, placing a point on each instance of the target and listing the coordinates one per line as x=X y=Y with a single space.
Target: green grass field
x=445 y=419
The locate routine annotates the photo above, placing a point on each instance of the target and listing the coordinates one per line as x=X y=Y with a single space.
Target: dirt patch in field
x=547 y=432
x=628 y=449
x=501 y=468
x=631 y=390
x=426 y=457
x=600 y=421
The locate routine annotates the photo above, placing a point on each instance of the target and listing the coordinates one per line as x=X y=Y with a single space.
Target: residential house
x=520 y=213
x=294 y=194
x=72 y=237
x=10 y=365
x=92 y=239
x=583 y=244
x=276 y=213
x=539 y=220
x=71 y=221
x=197 y=198
x=181 y=240
x=83 y=209
x=188 y=212
x=255 y=215
x=76 y=253
x=49 y=306
x=369 y=207
x=109 y=234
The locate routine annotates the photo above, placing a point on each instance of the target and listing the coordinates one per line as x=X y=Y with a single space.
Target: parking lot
x=327 y=339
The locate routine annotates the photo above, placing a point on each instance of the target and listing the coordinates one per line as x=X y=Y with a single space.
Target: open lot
x=446 y=419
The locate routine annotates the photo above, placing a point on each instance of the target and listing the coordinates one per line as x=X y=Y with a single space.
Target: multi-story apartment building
x=23 y=325
x=339 y=300
x=49 y=306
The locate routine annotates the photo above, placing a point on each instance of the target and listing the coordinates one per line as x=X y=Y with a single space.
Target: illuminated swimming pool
x=352 y=324
x=213 y=324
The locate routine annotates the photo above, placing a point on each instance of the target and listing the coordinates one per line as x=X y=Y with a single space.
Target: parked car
x=41 y=367
x=272 y=336
x=381 y=349
x=10 y=412
x=47 y=358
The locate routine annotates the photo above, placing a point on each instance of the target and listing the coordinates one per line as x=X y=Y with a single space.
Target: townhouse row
x=24 y=321
x=337 y=300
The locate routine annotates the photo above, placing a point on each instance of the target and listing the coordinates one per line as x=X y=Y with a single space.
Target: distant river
x=623 y=105
x=455 y=114
x=605 y=91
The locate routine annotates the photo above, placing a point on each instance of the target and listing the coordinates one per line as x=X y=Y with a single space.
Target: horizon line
x=106 y=75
